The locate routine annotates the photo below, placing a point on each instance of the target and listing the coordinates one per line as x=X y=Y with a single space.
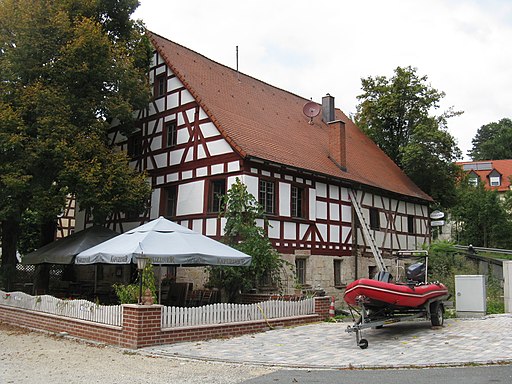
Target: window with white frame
x=495 y=181
x=473 y=180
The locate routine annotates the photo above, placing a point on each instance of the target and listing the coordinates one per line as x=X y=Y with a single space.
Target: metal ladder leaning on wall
x=370 y=240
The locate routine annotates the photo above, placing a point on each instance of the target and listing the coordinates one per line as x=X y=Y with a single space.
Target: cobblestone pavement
x=326 y=345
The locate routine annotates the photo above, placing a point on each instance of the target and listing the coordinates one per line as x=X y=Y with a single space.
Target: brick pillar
x=322 y=305
x=142 y=325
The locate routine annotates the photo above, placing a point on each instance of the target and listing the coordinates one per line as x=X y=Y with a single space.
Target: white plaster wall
x=252 y=184
x=173 y=100
x=321 y=189
x=219 y=147
x=161 y=69
x=334 y=192
x=156 y=143
x=211 y=227
x=209 y=129
x=284 y=199
x=274 y=229
x=160 y=160
x=321 y=210
x=160 y=104
x=191 y=114
x=217 y=169
x=322 y=228
x=186 y=97
x=345 y=235
x=234 y=166
x=346 y=213
x=290 y=231
x=312 y=204
x=173 y=84
x=334 y=211
x=334 y=233
x=401 y=207
x=182 y=136
x=176 y=156
x=190 y=198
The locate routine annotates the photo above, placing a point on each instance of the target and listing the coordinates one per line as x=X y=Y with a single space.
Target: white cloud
x=312 y=48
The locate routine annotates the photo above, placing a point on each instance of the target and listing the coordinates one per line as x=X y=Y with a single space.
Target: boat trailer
x=374 y=317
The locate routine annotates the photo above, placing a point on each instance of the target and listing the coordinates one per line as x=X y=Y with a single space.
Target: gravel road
x=28 y=357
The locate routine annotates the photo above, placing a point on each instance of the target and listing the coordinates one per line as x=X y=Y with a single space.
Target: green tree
x=395 y=114
x=68 y=70
x=493 y=141
x=445 y=261
x=481 y=217
x=241 y=211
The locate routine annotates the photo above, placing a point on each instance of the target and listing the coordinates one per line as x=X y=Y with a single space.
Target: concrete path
x=327 y=345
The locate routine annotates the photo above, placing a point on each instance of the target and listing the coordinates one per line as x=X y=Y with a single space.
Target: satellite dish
x=311 y=109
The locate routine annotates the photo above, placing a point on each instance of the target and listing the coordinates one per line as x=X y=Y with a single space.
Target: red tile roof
x=262 y=121
x=504 y=167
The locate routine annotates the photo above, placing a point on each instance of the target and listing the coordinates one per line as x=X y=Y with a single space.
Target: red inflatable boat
x=376 y=293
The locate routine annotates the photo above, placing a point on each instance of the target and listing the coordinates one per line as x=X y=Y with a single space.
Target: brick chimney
x=337 y=144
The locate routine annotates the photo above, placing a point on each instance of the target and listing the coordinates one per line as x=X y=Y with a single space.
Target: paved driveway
x=327 y=345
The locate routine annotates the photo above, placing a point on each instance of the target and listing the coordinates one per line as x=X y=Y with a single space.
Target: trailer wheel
x=436 y=313
x=363 y=344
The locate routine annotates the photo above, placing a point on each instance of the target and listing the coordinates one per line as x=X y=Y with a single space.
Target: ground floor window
x=300 y=270
x=337 y=273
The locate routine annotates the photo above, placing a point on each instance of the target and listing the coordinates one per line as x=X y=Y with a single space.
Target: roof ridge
x=232 y=69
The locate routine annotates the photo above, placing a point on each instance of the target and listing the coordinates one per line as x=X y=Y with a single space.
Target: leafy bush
x=495 y=303
x=445 y=261
x=129 y=293
x=241 y=210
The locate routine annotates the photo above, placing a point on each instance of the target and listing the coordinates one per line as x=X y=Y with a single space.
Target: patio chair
x=195 y=298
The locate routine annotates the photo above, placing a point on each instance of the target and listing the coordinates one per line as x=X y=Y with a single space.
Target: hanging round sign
x=436 y=215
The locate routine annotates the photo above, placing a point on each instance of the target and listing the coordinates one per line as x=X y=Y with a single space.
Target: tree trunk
x=10 y=231
x=42 y=274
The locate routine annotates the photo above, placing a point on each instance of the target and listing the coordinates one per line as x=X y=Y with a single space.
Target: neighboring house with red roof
x=208 y=125
x=494 y=174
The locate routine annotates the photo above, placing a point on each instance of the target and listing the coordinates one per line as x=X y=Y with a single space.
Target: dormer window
x=473 y=179
x=494 y=178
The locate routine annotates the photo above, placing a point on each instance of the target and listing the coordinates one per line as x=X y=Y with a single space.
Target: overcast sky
x=315 y=47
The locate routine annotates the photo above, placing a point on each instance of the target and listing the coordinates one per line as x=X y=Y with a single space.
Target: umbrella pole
x=95 y=277
x=160 y=285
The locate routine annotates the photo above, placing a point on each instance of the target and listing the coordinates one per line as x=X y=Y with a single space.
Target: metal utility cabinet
x=470 y=295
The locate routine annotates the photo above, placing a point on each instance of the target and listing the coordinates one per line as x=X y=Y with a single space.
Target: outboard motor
x=416 y=272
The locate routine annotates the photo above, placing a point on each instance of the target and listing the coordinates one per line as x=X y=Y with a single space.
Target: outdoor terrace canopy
x=163 y=242
x=63 y=251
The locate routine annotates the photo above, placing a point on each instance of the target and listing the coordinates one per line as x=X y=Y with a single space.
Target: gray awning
x=63 y=251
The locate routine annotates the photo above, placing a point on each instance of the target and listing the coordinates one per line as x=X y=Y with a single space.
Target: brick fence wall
x=142 y=325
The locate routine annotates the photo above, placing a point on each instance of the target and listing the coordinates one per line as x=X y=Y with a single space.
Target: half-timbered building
x=208 y=125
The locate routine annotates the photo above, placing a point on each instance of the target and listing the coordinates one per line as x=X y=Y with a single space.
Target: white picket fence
x=222 y=313
x=76 y=309
x=172 y=317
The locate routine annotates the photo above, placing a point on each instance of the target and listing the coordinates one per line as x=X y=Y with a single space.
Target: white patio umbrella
x=163 y=242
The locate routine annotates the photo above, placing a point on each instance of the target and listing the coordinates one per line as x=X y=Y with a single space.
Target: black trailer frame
x=432 y=310
x=376 y=317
